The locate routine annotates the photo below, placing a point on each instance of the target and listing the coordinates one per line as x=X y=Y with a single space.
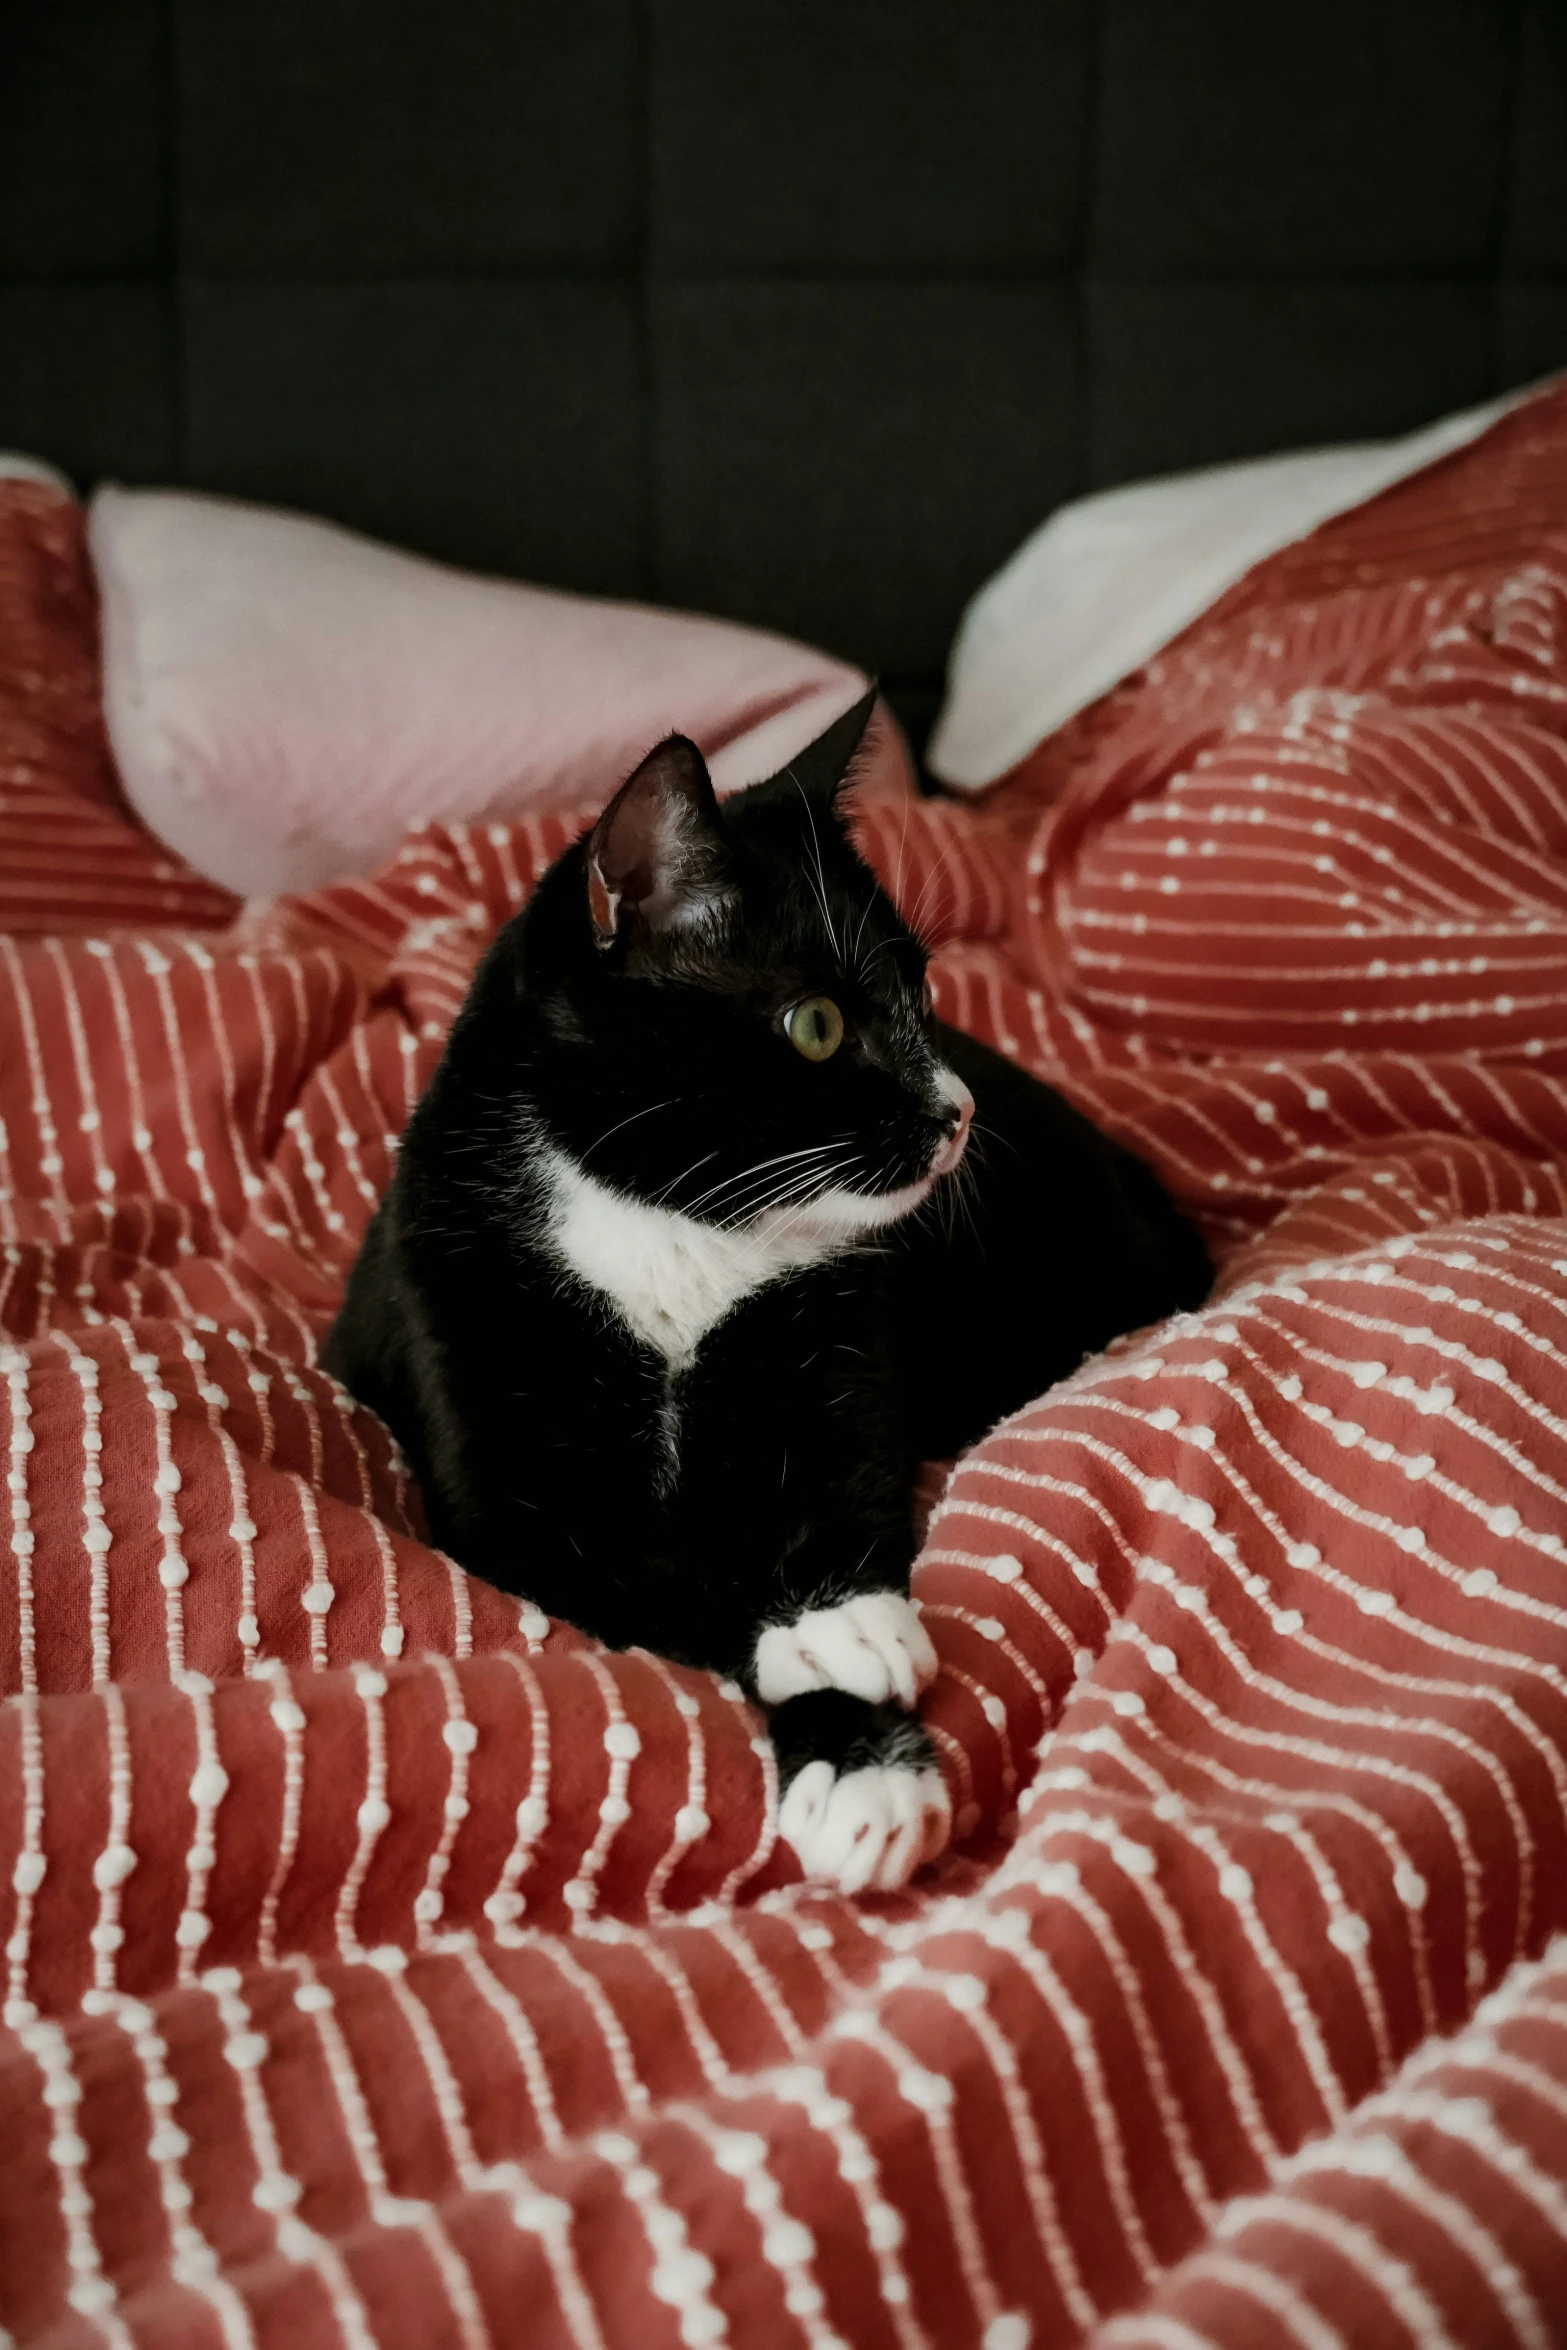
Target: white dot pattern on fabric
x=354 y=1887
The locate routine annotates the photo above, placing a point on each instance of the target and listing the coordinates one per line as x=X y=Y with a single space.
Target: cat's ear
x=656 y=854
x=825 y=768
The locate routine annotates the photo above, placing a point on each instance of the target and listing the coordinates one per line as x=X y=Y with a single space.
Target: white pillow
x=1108 y=580
x=285 y=699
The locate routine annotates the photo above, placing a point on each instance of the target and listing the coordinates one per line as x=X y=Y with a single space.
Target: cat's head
x=727 y=1015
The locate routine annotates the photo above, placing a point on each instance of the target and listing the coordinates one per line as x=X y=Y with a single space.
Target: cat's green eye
x=815 y=1028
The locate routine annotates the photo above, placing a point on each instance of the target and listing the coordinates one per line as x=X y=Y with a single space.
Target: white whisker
x=631 y=1121
x=814 y=1150
x=820 y=875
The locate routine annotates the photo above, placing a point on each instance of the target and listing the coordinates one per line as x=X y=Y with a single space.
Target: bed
x=385 y=1964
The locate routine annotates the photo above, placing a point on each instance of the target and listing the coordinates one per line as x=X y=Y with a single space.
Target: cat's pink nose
x=956 y=1143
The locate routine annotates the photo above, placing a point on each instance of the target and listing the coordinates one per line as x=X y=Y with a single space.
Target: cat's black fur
x=556 y=1452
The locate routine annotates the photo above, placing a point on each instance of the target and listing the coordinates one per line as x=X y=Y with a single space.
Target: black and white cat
x=651 y=1304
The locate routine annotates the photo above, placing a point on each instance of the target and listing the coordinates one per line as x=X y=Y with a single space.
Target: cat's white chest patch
x=670 y=1278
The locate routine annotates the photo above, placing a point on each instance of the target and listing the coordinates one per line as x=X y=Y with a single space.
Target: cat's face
x=729 y=1018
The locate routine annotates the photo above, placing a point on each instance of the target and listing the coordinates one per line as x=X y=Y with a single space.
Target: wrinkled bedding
x=385 y=1964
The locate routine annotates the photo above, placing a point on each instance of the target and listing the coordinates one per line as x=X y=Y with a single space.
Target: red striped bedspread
x=384 y=1965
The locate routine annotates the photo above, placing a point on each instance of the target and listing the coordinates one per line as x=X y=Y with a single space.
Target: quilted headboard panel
x=800 y=310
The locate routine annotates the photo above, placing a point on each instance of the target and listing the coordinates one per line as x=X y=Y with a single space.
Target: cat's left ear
x=656 y=856
x=825 y=768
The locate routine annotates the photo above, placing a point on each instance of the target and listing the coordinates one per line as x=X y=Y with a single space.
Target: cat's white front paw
x=873 y=1646
x=868 y=1830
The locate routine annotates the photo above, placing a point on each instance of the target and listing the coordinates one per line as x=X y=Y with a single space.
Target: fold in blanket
x=386 y=1965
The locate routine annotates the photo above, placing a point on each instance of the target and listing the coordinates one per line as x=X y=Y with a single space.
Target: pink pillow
x=286 y=699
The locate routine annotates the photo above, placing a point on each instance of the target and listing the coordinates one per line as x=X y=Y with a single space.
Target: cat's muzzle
x=951 y=1149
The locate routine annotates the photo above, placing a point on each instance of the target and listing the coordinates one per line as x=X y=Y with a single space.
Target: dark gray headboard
x=801 y=310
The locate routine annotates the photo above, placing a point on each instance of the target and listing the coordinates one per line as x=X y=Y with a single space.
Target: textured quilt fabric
x=385 y=1965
